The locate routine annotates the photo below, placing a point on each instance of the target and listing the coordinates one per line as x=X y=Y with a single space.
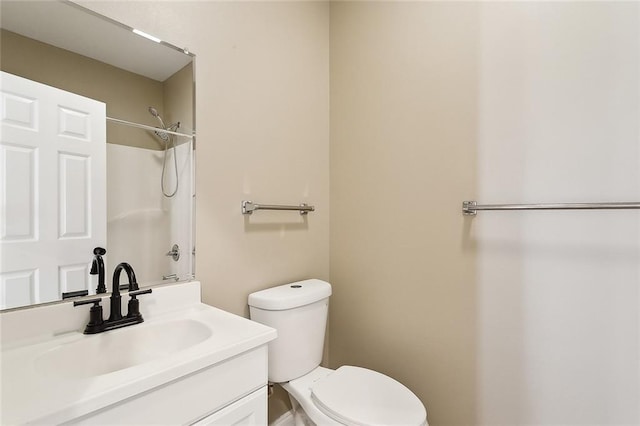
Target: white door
x=52 y=189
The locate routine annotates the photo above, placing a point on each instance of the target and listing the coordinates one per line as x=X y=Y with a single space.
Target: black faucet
x=116 y=319
x=97 y=268
x=116 y=308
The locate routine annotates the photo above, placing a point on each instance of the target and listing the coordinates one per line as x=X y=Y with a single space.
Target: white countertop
x=29 y=396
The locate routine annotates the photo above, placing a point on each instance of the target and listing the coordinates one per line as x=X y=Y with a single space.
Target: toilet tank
x=298 y=311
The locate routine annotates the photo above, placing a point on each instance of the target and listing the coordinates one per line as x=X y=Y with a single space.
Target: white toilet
x=346 y=396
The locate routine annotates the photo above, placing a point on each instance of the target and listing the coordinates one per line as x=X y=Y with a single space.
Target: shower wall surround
x=135 y=214
x=142 y=224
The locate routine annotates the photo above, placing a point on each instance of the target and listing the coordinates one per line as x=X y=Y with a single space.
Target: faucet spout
x=131 y=276
x=116 y=308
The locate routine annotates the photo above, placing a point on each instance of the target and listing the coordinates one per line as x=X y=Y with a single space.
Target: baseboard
x=285 y=420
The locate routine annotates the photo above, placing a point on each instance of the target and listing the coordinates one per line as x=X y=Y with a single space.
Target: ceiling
x=71 y=27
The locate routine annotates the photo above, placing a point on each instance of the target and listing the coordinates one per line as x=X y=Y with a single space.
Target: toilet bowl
x=348 y=395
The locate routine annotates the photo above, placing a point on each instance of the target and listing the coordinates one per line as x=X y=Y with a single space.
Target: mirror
x=147 y=86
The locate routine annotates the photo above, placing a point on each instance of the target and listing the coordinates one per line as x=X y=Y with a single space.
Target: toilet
x=320 y=396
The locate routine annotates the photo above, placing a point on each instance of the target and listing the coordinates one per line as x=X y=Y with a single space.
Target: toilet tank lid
x=291 y=295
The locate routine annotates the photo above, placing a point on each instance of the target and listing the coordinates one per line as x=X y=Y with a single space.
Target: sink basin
x=98 y=354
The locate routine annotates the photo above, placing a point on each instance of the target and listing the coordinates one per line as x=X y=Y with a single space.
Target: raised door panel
x=19 y=177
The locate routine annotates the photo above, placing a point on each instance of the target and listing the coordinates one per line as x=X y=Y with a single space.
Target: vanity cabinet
x=232 y=392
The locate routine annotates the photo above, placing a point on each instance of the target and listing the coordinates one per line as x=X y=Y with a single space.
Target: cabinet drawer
x=189 y=398
x=249 y=411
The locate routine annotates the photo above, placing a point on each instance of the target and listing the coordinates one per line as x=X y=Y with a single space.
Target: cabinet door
x=250 y=410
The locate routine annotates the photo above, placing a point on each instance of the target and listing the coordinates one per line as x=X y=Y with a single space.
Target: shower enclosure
x=143 y=223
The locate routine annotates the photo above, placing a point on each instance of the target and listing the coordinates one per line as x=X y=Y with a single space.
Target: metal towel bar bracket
x=248 y=207
x=470 y=208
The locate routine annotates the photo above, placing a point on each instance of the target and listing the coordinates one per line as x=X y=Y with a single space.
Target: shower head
x=155 y=113
x=172 y=127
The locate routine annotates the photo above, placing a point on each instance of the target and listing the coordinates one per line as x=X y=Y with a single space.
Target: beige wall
x=403 y=152
x=177 y=95
x=262 y=105
x=126 y=94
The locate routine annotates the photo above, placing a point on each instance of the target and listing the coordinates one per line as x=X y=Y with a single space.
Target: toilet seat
x=362 y=397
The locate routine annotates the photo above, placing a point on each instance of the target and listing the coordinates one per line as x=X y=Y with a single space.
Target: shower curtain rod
x=144 y=126
x=470 y=208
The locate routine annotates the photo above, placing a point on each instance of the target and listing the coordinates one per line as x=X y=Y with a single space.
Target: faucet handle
x=133 y=294
x=96 y=302
x=96 y=322
x=134 y=304
x=174 y=253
